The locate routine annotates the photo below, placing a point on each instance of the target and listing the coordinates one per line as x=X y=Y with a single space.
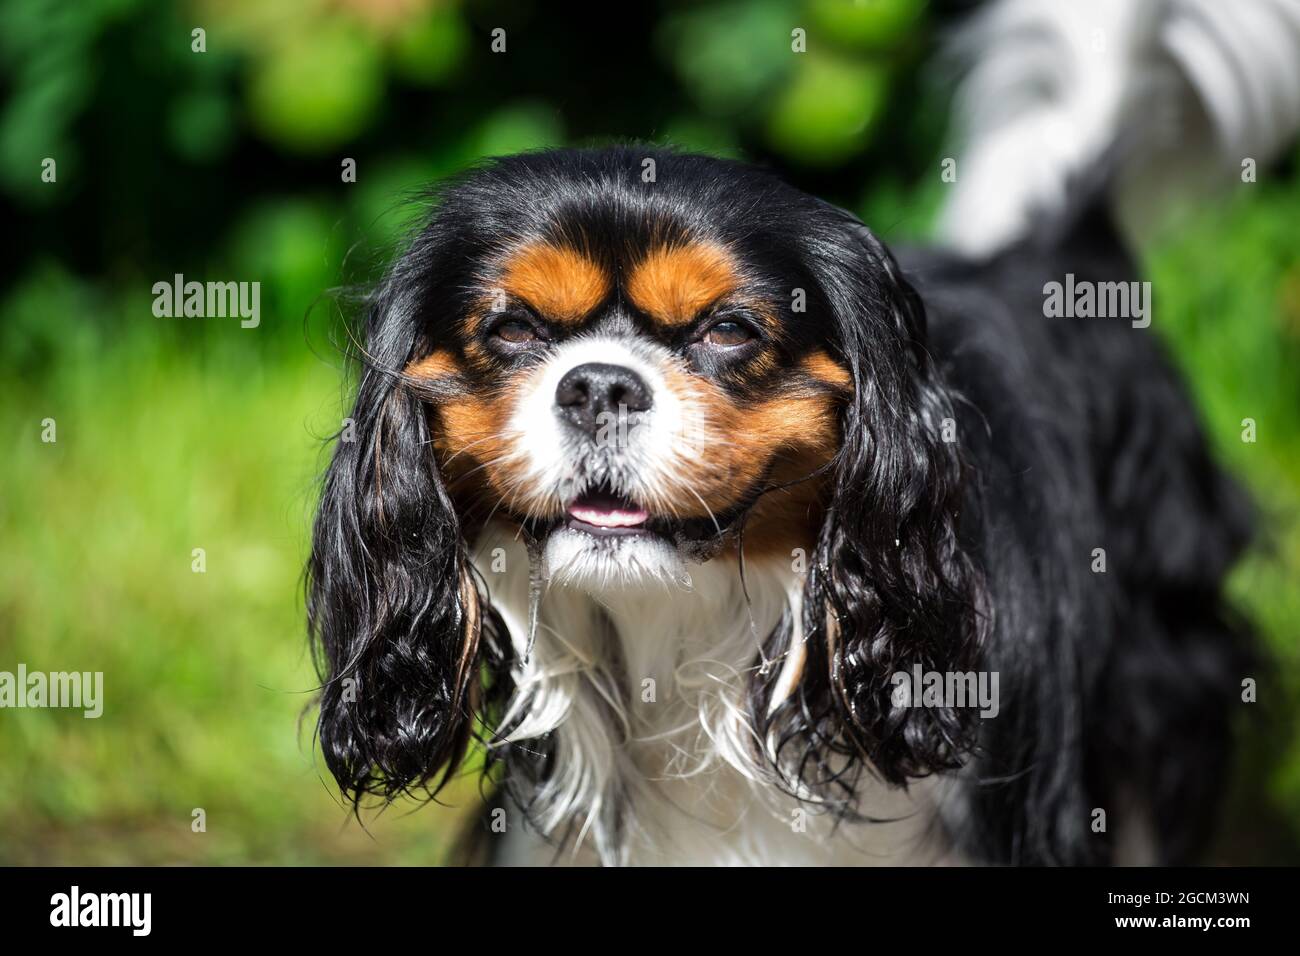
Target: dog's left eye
x=727 y=334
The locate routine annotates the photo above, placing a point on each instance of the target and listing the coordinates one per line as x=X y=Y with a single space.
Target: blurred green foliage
x=175 y=434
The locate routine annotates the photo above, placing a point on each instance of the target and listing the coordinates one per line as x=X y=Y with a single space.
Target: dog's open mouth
x=601 y=511
x=604 y=512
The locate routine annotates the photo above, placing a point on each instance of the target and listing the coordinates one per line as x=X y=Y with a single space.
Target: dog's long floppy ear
x=891 y=587
x=396 y=620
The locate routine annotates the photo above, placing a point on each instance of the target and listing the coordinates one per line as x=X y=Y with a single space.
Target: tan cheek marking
x=808 y=432
x=787 y=437
x=825 y=369
x=561 y=284
x=674 y=283
x=790 y=518
x=438 y=365
x=469 y=432
x=477 y=457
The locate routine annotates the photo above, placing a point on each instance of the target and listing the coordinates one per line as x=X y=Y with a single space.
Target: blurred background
x=177 y=434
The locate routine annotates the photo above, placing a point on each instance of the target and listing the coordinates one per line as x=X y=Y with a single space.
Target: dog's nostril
x=588 y=391
x=572 y=392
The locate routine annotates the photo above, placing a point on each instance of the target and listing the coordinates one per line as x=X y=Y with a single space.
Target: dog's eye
x=515 y=332
x=727 y=334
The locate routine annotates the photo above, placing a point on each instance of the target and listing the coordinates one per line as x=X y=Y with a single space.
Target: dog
x=697 y=516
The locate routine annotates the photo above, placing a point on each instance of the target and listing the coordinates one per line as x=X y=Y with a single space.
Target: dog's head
x=636 y=361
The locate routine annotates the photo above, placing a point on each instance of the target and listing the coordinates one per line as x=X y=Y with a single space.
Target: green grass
x=160 y=451
x=1226 y=288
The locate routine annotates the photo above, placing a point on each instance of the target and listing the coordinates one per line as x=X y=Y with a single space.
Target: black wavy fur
x=398 y=631
x=1075 y=434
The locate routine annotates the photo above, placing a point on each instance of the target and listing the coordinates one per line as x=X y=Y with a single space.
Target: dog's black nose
x=589 y=394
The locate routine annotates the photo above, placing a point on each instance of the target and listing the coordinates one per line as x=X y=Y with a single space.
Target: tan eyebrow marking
x=560 y=283
x=673 y=284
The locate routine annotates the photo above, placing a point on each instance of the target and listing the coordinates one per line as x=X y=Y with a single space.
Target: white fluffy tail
x=1192 y=88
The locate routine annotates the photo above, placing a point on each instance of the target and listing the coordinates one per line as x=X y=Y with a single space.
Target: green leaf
x=319 y=89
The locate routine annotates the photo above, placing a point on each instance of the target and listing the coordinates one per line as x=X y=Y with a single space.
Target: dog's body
x=936 y=478
x=675 y=764
x=666 y=476
x=1082 y=439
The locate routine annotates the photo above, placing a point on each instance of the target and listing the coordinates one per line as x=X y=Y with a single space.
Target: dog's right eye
x=513 y=332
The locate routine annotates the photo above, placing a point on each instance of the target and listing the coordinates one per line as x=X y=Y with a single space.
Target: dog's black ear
x=395 y=617
x=891 y=586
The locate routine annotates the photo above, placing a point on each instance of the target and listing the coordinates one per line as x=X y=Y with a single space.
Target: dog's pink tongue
x=606 y=511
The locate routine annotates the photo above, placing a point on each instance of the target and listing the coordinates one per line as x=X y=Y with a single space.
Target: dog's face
x=624 y=386
x=637 y=360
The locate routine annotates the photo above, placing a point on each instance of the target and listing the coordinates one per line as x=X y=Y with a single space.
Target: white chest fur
x=645 y=690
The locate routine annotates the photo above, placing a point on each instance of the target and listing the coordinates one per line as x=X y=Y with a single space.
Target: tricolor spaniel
x=722 y=537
